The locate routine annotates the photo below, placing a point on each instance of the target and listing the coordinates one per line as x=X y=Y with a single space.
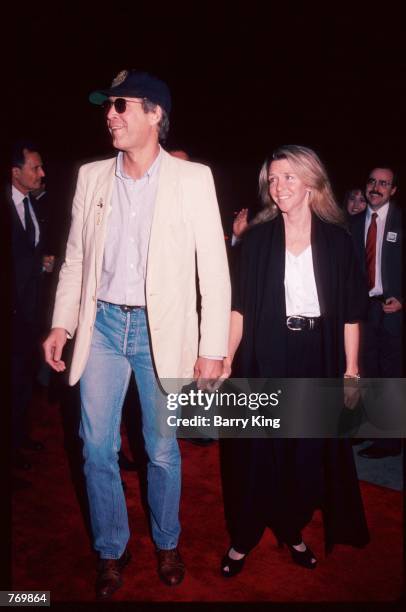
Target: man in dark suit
x=26 y=231
x=377 y=234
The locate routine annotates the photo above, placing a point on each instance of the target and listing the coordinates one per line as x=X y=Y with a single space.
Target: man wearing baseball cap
x=127 y=291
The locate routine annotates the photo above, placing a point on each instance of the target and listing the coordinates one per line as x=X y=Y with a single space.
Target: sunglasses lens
x=119 y=105
x=106 y=104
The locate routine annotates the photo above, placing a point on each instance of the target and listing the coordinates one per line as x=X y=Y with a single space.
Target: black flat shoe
x=234 y=566
x=304 y=558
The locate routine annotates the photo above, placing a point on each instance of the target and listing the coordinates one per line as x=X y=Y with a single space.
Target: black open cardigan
x=259 y=295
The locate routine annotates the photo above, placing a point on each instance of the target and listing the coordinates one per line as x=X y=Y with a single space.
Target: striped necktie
x=370 y=251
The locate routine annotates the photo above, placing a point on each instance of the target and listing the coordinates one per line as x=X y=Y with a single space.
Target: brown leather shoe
x=171 y=568
x=109 y=575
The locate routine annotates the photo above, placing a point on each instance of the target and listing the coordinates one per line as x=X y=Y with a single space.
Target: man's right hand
x=53 y=347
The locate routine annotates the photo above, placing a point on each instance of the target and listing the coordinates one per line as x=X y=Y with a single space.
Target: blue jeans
x=120 y=344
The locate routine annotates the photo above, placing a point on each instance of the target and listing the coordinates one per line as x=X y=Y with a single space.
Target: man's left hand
x=48 y=262
x=207 y=373
x=391 y=305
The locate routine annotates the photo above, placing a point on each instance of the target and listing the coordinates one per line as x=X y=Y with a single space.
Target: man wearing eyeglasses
x=127 y=289
x=377 y=233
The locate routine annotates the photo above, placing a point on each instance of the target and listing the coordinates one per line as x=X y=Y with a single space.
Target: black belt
x=377 y=298
x=301 y=323
x=126 y=308
x=123 y=307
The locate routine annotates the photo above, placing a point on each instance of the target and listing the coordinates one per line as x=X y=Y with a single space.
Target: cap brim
x=98 y=97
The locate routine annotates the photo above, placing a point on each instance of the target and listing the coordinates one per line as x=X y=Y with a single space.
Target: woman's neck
x=297 y=231
x=298 y=221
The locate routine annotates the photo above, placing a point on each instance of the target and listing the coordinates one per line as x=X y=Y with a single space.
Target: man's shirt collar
x=150 y=173
x=381 y=212
x=17 y=196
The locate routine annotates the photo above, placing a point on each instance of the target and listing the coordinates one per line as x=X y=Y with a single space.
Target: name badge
x=391 y=236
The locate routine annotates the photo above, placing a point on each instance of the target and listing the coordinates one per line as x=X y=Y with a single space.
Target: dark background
x=245 y=77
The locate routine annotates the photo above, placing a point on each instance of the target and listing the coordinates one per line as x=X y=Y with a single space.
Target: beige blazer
x=186 y=228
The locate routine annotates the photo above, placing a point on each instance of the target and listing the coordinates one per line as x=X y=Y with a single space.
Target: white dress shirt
x=300 y=285
x=18 y=199
x=382 y=213
x=129 y=227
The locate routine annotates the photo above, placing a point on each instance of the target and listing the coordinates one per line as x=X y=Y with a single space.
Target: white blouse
x=300 y=285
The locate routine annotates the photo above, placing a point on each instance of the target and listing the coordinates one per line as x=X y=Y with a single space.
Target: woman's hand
x=240 y=223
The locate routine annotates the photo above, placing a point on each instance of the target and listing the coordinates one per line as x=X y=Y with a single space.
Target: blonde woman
x=298 y=297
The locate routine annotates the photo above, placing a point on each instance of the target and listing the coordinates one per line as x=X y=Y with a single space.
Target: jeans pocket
x=100 y=306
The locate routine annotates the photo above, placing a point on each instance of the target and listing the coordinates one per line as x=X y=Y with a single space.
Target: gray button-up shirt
x=128 y=231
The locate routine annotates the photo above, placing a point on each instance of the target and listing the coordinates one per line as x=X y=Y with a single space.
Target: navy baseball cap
x=134 y=84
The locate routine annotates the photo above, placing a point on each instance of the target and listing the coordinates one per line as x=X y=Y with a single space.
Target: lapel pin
x=99 y=213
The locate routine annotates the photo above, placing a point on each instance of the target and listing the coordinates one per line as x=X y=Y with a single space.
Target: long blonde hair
x=311 y=170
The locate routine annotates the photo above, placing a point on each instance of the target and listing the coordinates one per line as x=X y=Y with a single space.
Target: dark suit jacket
x=391 y=267
x=24 y=263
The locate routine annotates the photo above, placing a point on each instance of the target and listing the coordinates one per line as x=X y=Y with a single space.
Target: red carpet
x=51 y=547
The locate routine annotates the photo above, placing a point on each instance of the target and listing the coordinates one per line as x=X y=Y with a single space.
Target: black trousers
x=278 y=483
x=381 y=351
x=279 y=480
x=381 y=357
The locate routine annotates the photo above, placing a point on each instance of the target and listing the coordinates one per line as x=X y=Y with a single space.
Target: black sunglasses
x=120 y=104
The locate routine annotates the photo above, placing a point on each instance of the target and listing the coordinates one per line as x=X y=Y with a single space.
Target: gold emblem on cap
x=120 y=78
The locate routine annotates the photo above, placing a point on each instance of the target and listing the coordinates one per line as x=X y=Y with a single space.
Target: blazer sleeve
x=212 y=264
x=68 y=293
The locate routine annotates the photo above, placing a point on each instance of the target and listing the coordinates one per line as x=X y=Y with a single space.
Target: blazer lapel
x=321 y=262
x=389 y=226
x=102 y=206
x=270 y=261
x=16 y=223
x=165 y=205
x=359 y=239
x=270 y=303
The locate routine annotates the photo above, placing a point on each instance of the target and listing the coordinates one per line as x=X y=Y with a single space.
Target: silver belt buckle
x=289 y=324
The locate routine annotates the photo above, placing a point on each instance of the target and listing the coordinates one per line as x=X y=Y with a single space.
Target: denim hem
x=166 y=546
